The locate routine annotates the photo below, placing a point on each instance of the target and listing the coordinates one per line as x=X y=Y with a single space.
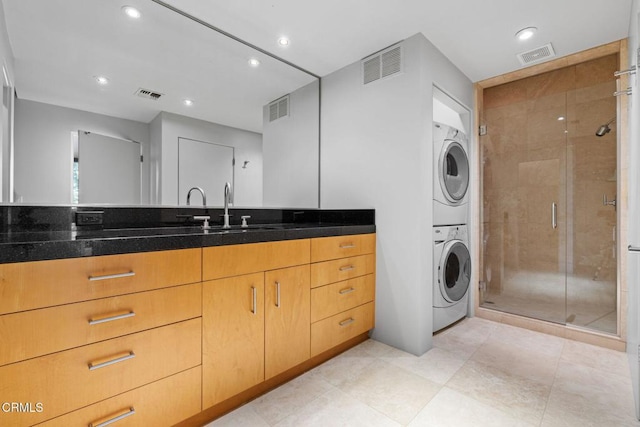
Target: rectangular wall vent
x=383 y=64
x=536 y=55
x=279 y=108
x=148 y=94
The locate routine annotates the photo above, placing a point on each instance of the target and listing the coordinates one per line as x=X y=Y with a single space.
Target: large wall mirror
x=173 y=87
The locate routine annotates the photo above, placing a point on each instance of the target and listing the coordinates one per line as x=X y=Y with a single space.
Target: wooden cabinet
x=233 y=336
x=337 y=297
x=343 y=289
x=329 y=332
x=327 y=248
x=255 y=325
x=30 y=285
x=161 y=403
x=153 y=338
x=323 y=273
x=287 y=319
x=79 y=333
x=233 y=260
x=273 y=306
x=74 y=378
x=38 y=332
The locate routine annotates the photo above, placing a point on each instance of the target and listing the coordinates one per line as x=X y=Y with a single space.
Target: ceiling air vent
x=148 y=94
x=279 y=108
x=536 y=55
x=383 y=64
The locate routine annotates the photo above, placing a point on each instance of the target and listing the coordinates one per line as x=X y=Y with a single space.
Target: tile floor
x=479 y=373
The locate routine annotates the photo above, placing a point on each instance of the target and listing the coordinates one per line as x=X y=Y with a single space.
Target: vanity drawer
x=34 y=333
x=75 y=378
x=337 y=329
x=323 y=273
x=332 y=299
x=235 y=260
x=326 y=248
x=155 y=404
x=30 y=285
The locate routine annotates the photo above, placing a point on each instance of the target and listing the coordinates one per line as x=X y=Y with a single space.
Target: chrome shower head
x=605 y=129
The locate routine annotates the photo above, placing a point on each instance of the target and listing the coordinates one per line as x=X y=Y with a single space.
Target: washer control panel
x=450 y=232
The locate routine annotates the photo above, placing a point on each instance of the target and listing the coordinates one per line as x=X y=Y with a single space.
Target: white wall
x=633 y=273
x=6 y=54
x=376 y=152
x=290 y=152
x=155 y=159
x=6 y=103
x=248 y=146
x=43 y=151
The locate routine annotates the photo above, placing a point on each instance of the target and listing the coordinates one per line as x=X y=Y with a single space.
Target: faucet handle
x=244 y=221
x=204 y=218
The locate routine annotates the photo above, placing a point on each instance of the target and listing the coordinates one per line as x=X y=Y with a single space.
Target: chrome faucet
x=227 y=198
x=204 y=197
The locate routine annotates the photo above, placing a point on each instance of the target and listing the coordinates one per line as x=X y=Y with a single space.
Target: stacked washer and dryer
x=451 y=258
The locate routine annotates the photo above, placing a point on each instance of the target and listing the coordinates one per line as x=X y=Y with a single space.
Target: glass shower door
x=549 y=186
x=524 y=199
x=591 y=187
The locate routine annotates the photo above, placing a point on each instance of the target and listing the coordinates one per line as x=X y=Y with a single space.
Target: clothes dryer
x=451 y=176
x=451 y=275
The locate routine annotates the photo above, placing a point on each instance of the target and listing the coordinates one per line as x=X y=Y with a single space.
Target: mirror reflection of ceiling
x=61 y=46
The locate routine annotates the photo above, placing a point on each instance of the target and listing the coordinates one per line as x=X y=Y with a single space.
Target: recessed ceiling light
x=188 y=102
x=131 y=12
x=283 y=41
x=102 y=80
x=526 y=33
x=561 y=118
x=254 y=62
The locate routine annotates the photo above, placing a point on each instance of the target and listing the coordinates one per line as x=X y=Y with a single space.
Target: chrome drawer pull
x=111 y=318
x=347 y=268
x=254 y=301
x=346 y=291
x=278 y=294
x=111 y=362
x=347 y=246
x=347 y=322
x=130 y=412
x=112 y=276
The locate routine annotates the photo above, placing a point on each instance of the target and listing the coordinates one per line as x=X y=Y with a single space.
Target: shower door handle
x=554 y=215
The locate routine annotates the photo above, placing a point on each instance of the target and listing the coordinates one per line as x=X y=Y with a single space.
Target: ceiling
x=60 y=45
x=477 y=36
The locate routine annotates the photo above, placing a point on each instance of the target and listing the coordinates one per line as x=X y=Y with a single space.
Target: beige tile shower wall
x=524 y=158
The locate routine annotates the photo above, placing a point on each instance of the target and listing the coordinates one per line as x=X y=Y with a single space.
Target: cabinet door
x=233 y=336
x=287 y=318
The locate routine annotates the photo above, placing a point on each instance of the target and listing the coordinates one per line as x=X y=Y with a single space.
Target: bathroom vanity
x=165 y=325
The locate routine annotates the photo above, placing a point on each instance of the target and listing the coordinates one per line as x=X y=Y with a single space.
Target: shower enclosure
x=549 y=188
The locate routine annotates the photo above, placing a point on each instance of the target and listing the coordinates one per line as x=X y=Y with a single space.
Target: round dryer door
x=454 y=171
x=454 y=273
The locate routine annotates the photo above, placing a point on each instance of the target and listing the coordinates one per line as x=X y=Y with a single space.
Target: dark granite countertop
x=46 y=245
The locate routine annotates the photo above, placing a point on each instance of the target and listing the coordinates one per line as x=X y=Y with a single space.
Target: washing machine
x=451 y=275
x=451 y=176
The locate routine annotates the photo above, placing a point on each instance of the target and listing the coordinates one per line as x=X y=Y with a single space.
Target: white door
x=108 y=170
x=205 y=165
